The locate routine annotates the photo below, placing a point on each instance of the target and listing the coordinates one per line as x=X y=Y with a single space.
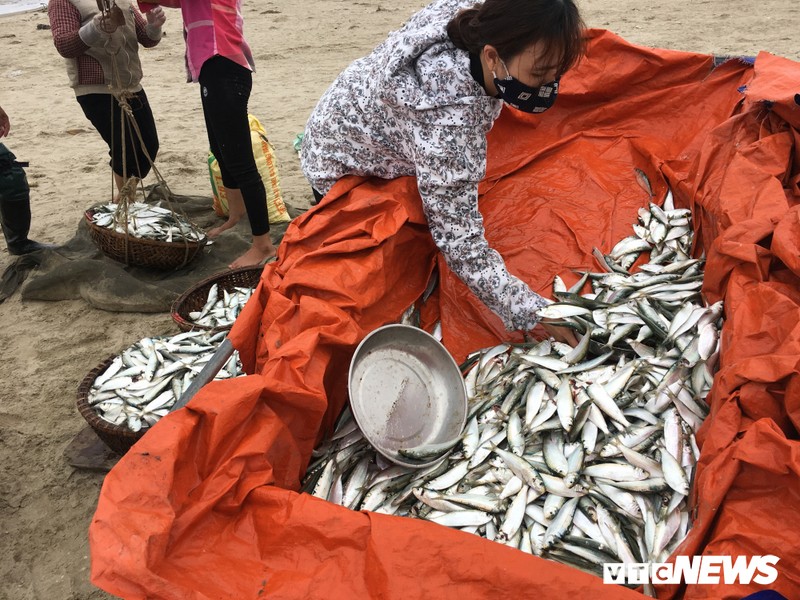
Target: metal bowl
x=406 y=391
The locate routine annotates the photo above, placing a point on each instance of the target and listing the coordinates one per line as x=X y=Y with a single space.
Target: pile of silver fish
x=221 y=311
x=144 y=381
x=146 y=221
x=583 y=454
x=412 y=315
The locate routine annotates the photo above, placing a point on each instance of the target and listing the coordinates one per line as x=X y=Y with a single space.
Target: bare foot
x=252 y=258
x=215 y=231
x=261 y=251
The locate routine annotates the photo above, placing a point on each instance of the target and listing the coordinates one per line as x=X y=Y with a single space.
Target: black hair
x=511 y=26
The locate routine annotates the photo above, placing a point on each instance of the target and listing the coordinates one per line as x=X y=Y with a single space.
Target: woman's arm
x=5 y=124
x=451 y=160
x=145 y=5
x=71 y=38
x=148 y=31
x=65 y=23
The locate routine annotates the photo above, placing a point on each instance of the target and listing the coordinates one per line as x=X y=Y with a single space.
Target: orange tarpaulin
x=205 y=506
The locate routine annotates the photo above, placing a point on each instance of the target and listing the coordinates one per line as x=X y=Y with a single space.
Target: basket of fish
x=214 y=303
x=126 y=394
x=144 y=235
x=580 y=453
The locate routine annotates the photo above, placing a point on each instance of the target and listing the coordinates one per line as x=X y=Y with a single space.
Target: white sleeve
x=450 y=162
x=153 y=32
x=91 y=35
x=94 y=37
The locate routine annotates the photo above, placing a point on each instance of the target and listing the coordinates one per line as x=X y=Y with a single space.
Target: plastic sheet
x=203 y=506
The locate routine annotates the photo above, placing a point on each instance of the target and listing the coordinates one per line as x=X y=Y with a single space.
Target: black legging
x=224 y=91
x=100 y=109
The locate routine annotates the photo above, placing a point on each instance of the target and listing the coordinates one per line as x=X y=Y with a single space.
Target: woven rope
x=127 y=193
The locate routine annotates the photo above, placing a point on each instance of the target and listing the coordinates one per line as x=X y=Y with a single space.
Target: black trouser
x=15 y=201
x=105 y=114
x=224 y=91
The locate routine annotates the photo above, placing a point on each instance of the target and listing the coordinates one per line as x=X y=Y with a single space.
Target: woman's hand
x=107 y=24
x=5 y=124
x=156 y=17
x=560 y=334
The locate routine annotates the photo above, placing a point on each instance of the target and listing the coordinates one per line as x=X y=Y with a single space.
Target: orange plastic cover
x=205 y=506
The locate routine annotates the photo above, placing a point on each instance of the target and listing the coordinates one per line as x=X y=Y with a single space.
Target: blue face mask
x=524 y=97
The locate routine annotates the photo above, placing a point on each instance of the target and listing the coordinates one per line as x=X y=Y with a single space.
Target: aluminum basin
x=406 y=391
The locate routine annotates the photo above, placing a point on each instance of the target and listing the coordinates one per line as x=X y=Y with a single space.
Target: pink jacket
x=211 y=27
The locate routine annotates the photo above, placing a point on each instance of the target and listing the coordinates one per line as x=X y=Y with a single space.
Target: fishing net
x=79 y=270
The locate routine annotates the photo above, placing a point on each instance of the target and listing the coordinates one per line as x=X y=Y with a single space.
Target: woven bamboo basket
x=141 y=252
x=117 y=437
x=196 y=296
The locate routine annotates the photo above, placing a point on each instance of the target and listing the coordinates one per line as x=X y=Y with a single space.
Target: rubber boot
x=15 y=205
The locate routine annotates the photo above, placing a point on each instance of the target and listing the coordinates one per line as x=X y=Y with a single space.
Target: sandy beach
x=48 y=347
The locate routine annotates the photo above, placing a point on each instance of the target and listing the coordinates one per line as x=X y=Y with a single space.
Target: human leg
x=15 y=205
x=261 y=251
x=118 y=183
x=236 y=210
x=105 y=114
x=141 y=137
x=225 y=90
x=98 y=109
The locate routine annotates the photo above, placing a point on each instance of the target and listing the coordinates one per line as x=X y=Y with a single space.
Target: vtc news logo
x=702 y=570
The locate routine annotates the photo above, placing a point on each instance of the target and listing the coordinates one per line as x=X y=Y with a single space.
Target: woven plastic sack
x=267 y=165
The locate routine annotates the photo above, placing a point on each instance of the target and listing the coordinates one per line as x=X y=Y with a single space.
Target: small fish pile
x=146 y=221
x=412 y=316
x=144 y=381
x=221 y=312
x=581 y=454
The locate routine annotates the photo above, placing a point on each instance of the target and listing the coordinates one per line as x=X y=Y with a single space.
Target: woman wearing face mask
x=421 y=104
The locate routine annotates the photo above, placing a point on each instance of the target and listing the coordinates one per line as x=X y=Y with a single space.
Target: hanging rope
x=122 y=94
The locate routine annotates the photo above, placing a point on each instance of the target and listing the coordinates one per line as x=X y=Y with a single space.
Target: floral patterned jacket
x=412 y=107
